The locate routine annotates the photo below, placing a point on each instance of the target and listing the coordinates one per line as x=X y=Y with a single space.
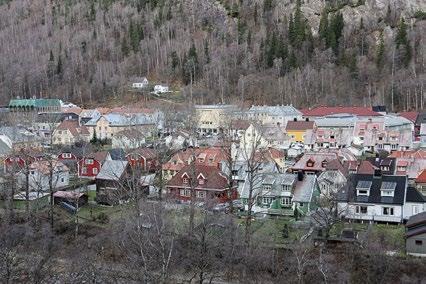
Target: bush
x=421 y=15
x=102 y=218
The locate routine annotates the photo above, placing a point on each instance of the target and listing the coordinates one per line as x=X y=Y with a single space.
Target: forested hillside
x=259 y=51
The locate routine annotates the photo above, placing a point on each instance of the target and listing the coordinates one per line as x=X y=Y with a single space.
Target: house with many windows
x=378 y=198
x=287 y=194
x=212 y=119
x=204 y=183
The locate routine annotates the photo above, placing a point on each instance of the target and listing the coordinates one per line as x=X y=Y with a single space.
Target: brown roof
x=214 y=179
x=73 y=127
x=98 y=156
x=336 y=165
x=366 y=168
x=147 y=153
x=299 y=125
x=410 y=115
x=75 y=110
x=45 y=166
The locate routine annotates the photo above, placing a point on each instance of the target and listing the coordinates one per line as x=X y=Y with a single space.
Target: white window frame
x=286 y=201
x=266 y=199
x=391 y=211
x=201 y=194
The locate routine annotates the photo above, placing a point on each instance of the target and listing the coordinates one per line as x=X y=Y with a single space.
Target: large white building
x=212 y=119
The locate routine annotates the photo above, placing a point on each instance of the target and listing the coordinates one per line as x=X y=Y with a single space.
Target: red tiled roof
x=299 y=125
x=418 y=154
x=366 y=168
x=326 y=110
x=410 y=115
x=214 y=179
x=421 y=177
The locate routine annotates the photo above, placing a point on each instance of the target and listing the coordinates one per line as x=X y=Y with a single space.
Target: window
x=185 y=180
x=185 y=192
x=361 y=209
x=388 y=211
x=266 y=200
x=32 y=172
x=62 y=179
x=95 y=171
x=89 y=161
x=66 y=155
x=267 y=187
x=415 y=209
x=201 y=194
x=300 y=204
x=286 y=187
x=419 y=242
x=286 y=201
x=59 y=132
x=201 y=181
x=83 y=170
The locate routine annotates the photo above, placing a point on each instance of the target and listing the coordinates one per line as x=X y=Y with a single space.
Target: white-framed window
x=185 y=192
x=95 y=171
x=83 y=170
x=286 y=201
x=266 y=200
x=201 y=194
x=415 y=209
x=361 y=209
x=185 y=180
x=286 y=187
x=89 y=161
x=387 y=193
x=201 y=181
x=388 y=211
x=66 y=155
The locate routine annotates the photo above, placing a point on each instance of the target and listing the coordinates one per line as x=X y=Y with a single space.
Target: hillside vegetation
x=306 y=53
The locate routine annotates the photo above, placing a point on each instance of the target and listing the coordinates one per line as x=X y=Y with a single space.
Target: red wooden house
x=145 y=159
x=70 y=157
x=209 y=183
x=90 y=165
x=17 y=161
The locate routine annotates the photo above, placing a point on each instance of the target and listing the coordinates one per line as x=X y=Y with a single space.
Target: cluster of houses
x=277 y=160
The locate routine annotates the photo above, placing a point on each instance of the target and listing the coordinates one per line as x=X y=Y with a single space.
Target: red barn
x=209 y=183
x=144 y=158
x=90 y=165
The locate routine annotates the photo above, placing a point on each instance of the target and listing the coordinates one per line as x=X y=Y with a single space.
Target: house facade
x=69 y=132
x=145 y=159
x=374 y=198
x=212 y=119
x=273 y=115
x=415 y=235
x=90 y=165
x=297 y=130
x=43 y=174
x=204 y=183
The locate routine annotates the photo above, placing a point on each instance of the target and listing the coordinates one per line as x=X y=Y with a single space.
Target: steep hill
x=257 y=51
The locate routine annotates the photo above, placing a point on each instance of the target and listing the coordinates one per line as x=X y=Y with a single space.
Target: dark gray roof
x=413 y=195
x=421 y=118
x=375 y=193
x=416 y=220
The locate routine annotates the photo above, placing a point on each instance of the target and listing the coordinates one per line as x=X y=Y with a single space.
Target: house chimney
x=377 y=173
x=300 y=176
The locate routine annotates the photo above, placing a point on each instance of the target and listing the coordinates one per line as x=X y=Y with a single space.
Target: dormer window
x=201 y=181
x=388 y=189
x=310 y=163
x=324 y=163
x=363 y=188
x=185 y=180
x=267 y=187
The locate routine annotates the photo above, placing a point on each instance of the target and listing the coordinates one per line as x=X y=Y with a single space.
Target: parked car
x=221 y=207
x=238 y=205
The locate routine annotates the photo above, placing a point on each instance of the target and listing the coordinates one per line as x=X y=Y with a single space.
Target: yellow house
x=297 y=130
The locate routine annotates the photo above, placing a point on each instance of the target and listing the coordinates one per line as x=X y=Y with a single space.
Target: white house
x=377 y=198
x=141 y=83
x=161 y=89
x=43 y=173
x=129 y=139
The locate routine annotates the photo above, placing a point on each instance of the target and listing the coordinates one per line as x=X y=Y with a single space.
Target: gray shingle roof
x=112 y=170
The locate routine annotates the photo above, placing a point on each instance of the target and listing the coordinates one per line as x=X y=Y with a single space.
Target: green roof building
x=35 y=105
